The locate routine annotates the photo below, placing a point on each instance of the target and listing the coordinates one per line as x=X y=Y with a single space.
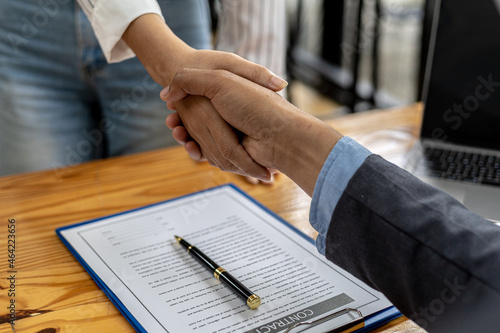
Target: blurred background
x=354 y=55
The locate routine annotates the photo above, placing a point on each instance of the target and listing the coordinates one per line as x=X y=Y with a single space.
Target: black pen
x=253 y=301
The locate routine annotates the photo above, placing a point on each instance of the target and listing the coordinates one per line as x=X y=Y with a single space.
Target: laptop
x=459 y=147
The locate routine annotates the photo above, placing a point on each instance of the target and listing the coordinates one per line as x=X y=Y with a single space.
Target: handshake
x=240 y=124
x=228 y=111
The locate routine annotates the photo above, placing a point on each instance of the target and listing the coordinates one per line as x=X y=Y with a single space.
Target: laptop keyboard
x=463 y=166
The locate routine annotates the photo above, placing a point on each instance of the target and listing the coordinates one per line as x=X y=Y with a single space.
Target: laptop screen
x=462 y=102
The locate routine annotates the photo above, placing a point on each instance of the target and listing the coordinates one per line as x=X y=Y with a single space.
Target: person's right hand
x=277 y=134
x=163 y=54
x=207 y=136
x=181 y=135
x=212 y=59
x=235 y=104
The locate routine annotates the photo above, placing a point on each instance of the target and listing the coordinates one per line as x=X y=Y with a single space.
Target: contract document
x=135 y=259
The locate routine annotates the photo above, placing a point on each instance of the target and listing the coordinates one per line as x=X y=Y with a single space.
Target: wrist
x=160 y=51
x=302 y=153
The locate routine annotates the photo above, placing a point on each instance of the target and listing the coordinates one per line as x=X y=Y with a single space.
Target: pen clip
x=350 y=326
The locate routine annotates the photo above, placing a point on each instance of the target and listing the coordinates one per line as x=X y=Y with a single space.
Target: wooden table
x=53 y=293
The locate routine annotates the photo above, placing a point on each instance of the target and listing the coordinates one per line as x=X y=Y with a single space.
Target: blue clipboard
x=370 y=322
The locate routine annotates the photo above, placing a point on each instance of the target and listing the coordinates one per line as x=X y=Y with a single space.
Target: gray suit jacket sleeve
x=436 y=261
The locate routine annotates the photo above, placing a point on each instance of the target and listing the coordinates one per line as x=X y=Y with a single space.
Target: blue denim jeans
x=61 y=103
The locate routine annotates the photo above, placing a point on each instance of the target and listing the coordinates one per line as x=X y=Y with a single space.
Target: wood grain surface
x=53 y=293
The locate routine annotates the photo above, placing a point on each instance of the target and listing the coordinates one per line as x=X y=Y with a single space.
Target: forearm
x=415 y=244
x=157 y=47
x=302 y=152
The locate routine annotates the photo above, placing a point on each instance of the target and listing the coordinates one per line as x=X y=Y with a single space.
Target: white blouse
x=253 y=29
x=110 y=19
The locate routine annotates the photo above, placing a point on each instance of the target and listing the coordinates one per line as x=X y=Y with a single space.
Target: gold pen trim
x=218 y=272
x=253 y=302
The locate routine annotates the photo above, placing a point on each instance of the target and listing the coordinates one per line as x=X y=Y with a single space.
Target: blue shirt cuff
x=344 y=160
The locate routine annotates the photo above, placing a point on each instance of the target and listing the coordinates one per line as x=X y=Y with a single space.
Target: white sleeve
x=110 y=19
x=255 y=30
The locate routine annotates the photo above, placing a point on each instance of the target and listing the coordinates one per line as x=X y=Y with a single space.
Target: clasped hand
x=219 y=119
x=242 y=127
x=245 y=128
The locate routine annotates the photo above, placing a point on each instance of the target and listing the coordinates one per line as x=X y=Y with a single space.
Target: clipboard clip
x=350 y=326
